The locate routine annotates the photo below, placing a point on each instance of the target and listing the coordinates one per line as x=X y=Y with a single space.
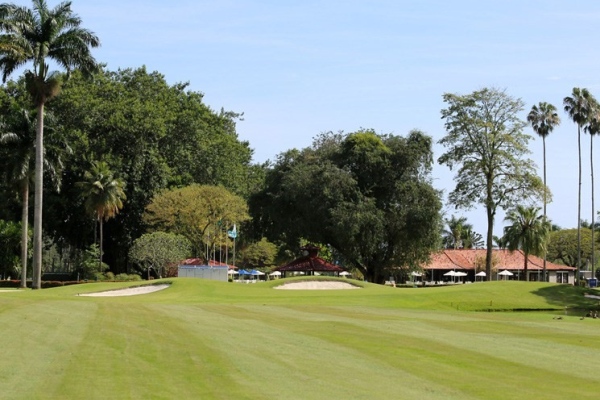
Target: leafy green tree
x=155 y=136
x=562 y=246
x=368 y=196
x=104 y=195
x=486 y=143
x=543 y=119
x=160 y=250
x=579 y=107
x=528 y=231
x=41 y=35
x=89 y=266
x=259 y=254
x=201 y=213
x=9 y=249
x=19 y=140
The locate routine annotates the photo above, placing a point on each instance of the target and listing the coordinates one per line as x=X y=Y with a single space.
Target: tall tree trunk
x=593 y=212
x=489 y=243
x=490 y=211
x=578 y=209
x=24 y=231
x=544 y=278
x=525 y=262
x=38 y=199
x=100 y=257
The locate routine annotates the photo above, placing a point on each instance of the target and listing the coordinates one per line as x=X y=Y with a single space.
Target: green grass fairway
x=203 y=339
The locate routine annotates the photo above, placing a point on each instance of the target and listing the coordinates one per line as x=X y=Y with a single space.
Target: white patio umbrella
x=481 y=274
x=505 y=273
x=275 y=273
x=452 y=274
x=460 y=274
x=232 y=272
x=415 y=273
x=344 y=273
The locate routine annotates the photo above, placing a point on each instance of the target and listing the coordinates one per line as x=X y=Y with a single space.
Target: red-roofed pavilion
x=310 y=263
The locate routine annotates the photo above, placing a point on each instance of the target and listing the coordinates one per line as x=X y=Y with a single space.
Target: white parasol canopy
x=344 y=273
x=450 y=273
x=460 y=273
x=482 y=273
x=275 y=273
x=506 y=273
x=415 y=273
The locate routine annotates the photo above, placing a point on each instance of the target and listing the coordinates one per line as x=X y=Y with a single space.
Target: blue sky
x=298 y=68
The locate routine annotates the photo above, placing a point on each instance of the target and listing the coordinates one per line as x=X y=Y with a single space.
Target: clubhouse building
x=505 y=265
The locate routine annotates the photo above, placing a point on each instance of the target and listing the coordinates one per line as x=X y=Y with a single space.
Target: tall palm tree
x=19 y=138
x=38 y=36
x=453 y=236
x=593 y=128
x=103 y=195
x=527 y=231
x=543 y=119
x=578 y=107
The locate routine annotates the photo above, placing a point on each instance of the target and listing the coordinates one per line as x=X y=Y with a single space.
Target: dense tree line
x=151 y=134
x=368 y=196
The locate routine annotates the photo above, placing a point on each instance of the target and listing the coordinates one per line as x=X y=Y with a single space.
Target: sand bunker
x=316 y=285
x=134 y=291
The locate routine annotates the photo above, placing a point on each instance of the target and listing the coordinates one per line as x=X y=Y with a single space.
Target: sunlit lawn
x=202 y=339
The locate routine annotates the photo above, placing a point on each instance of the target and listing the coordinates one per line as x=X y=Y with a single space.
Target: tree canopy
x=201 y=213
x=366 y=195
x=485 y=143
x=160 y=250
x=562 y=246
x=528 y=231
x=38 y=36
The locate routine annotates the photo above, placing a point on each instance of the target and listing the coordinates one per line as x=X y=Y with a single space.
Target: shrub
x=13 y=283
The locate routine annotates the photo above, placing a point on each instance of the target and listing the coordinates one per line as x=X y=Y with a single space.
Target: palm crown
x=543 y=118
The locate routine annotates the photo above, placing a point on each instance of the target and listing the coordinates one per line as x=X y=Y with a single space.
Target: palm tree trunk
x=545 y=279
x=525 y=265
x=578 y=209
x=24 y=231
x=38 y=199
x=100 y=257
x=593 y=212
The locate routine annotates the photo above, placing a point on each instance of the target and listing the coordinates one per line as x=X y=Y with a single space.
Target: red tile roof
x=466 y=259
x=308 y=263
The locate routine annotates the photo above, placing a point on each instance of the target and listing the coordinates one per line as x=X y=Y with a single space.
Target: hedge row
x=14 y=283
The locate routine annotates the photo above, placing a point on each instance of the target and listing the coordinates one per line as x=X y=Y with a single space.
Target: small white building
x=197 y=268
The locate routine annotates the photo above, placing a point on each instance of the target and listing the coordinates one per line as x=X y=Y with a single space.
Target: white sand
x=316 y=285
x=127 y=291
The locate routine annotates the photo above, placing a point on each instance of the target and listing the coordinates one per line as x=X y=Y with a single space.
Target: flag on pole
x=233 y=232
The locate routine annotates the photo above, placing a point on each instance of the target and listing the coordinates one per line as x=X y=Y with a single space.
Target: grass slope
x=214 y=340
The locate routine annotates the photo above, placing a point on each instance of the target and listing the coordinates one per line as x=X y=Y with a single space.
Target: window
x=562 y=277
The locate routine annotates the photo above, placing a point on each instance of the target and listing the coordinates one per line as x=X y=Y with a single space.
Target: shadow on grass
x=568 y=296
